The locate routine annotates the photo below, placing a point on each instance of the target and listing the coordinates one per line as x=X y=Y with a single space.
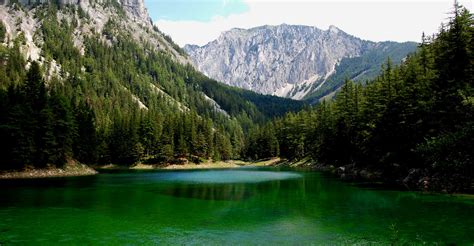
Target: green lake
x=243 y=206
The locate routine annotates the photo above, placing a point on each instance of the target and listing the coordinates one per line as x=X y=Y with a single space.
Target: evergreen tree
x=86 y=143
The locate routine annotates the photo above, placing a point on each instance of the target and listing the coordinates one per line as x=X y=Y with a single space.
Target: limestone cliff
x=285 y=60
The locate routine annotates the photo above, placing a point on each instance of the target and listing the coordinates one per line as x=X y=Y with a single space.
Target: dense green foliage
x=416 y=116
x=249 y=107
x=120 y=102
x=36 y=128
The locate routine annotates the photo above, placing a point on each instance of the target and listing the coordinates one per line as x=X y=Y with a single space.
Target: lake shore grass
x=77 y=169
x=203 y=165
x=68 y=170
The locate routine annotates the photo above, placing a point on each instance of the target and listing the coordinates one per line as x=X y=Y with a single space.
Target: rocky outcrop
x=136 y=10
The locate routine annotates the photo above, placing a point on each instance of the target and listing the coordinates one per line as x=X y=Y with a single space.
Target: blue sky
x=193 y=10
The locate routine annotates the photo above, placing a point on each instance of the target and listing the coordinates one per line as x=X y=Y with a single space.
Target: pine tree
x=453 y=62
x=148 y=135
x=86 y=143
x=64 y=129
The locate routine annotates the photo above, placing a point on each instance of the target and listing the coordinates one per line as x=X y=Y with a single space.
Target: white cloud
x=373 y=20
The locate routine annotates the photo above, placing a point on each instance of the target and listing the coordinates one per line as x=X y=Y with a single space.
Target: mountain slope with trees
x=117 y=91
x=360 y=69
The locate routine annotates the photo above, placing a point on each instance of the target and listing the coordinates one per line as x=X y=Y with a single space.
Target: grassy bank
x=70 y=169
x=204 y=165
x=77 y=169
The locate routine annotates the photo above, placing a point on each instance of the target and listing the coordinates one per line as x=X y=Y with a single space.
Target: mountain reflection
x=229 y=192
x=222 y=192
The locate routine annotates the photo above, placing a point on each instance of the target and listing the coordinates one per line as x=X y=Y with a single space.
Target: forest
x=122 y=103
x=414 y=117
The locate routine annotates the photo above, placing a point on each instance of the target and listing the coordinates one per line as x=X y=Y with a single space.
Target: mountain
x=94 y=81
x=292 y=61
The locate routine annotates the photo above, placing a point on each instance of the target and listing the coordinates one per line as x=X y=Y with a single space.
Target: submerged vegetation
x=414 y=122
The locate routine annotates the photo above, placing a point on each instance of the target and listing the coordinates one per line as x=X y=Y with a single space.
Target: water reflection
x=224 y=176
x=234 y=191
x=228 y=192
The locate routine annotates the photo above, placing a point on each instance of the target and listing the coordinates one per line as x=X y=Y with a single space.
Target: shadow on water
x=52 y=182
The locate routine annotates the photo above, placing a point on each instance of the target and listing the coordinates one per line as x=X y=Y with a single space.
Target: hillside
x=95 y=81
x=360 y=69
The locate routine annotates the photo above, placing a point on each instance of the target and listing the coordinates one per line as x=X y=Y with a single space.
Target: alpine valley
x=93 y=88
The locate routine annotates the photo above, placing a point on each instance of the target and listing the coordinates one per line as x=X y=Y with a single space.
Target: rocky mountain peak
x=334 y=29
x=274 y=59
x=284 y=60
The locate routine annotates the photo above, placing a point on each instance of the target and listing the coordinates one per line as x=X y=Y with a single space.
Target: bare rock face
x=283 y=60
x=276 y=59
x=136 y=9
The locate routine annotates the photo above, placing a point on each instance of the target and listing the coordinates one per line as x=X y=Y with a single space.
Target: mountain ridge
x=284 y=60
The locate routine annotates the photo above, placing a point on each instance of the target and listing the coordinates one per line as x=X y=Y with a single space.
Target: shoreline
x=68 y=170
x=412 y=180
x=77 y=169
x=343 y=173
x=192 y=166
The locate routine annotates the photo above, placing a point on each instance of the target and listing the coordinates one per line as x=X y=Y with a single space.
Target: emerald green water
x=238 y=206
